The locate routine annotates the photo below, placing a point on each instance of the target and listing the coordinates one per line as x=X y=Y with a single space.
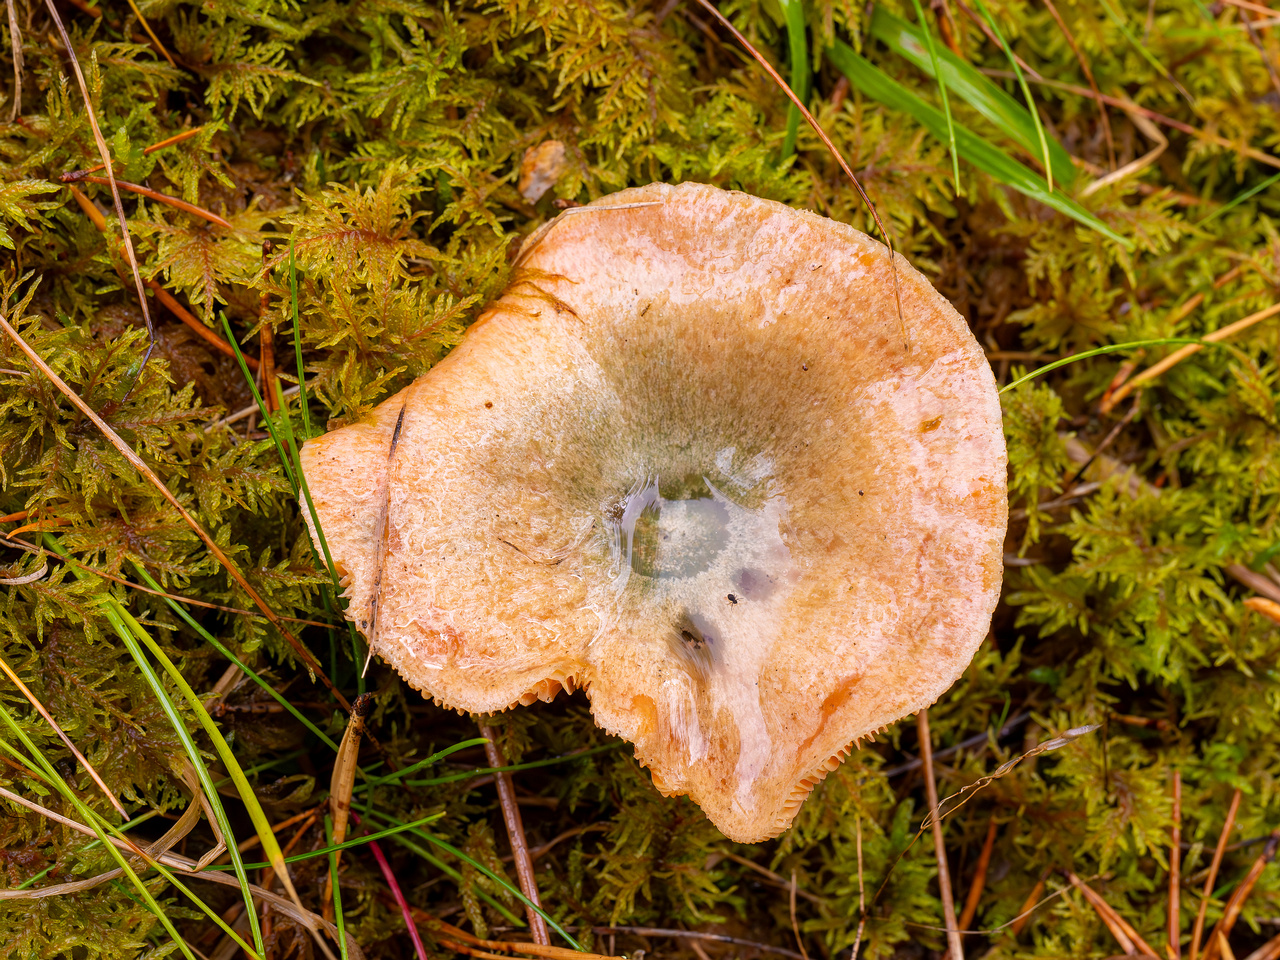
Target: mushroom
x=686 y=463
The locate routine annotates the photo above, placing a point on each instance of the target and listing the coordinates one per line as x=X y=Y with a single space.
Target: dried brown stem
x=1254 y=581
x=795 y=924
x=1231 y=912
x=954 y=947
x=1268 y=951
x=159 y=145
x=68 y=178
x=515 y=830
x=1214 y=864
x=979 y=877
x=1125 y=935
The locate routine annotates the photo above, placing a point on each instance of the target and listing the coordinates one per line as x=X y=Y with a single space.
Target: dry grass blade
x=827 y=142
x=1231 y=912
x=515 y=830
x=1093 y=84
x=106 y=161
x=1125 y=935
x=1254 y=581
x=979 y=877
x=48 y=718
x=954 y=946
x=1182 y=353
x=150 y=33
x=342 y=783
x=138 y=464
x=1268 y=951
x=1212 y=877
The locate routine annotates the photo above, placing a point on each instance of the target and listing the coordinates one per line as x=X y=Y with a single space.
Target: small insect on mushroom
x=630 y=477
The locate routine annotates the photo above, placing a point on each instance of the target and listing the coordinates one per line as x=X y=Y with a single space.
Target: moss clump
x=382 y=140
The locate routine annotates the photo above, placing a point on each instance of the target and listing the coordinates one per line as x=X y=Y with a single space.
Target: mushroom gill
x=687 y=463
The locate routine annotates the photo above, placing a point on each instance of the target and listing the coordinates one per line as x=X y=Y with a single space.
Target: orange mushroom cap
x=686 y=463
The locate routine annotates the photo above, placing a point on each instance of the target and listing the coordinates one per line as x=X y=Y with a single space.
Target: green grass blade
x=297 y=345
x=942 y=89
x=514 y=891
x=999 y=109
x=426 y=762
x=86 y=817
x=1098 y=351
x=338 y=918
x=456 y=877
x=258 y=816
x=793 y=13
x=249 y=672
x=1252 y=191
x=988 y=158
x=1026 y=91
x=485 y=771
x=119 y=619
x=346 y=844
x=262 y=407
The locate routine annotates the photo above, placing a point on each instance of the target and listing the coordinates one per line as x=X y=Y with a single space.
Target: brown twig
x=1268 y=608
x=1125 y=935
x=1212 y=877
x=979 y=877
x=515 y=831
x=150 y=475
x=862 y=893
x=954 y=947
x=1231 y=912
x=76 y=177
x=1268 y=951
x=159 y=145
x=1175 y=865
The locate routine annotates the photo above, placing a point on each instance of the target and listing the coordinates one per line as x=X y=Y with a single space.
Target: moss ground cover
x=376 y=148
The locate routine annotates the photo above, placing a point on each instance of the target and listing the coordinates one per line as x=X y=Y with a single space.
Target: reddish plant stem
x=1175 y=868
x=515 y=830
x=979 y=878
x=1209 y=881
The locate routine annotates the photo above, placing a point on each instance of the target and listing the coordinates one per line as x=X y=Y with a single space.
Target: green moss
x=383 y=139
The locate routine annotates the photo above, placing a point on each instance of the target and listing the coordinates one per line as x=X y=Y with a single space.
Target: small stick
x=1231 y=913
x=1213 y=873
x=160 y=145
x=979 y=877
x=68 y=178
x=955 y=949
x=1268 y=951
x=1033 y=899
x=795 y=925
x=1093 y=84
x=515 y=830
x=1268 y=608
x=1125 y=935
x=862 y=893
x=1175 y=865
